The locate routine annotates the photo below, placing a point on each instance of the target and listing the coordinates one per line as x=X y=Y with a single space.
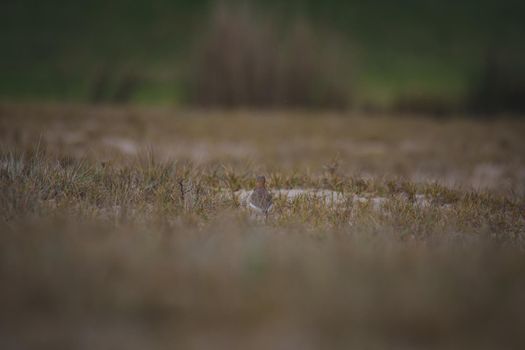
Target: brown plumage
x=260 y=198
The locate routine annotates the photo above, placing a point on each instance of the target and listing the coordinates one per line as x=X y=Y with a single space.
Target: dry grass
x=100 y=248
x=460 y=153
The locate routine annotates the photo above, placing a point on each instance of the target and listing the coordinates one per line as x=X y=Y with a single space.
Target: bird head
x=260 y=182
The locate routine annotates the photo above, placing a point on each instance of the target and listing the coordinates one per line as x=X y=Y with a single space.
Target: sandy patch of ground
x=333 y=198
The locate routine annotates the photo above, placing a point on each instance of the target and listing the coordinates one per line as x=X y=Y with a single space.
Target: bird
x=260 y=199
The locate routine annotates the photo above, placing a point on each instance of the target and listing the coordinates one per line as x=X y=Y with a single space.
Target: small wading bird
x=260 y=200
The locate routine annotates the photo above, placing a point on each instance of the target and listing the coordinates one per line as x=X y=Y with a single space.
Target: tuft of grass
x=32 y=182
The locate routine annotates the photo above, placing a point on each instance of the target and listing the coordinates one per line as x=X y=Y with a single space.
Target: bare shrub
x=248 y=59
x=425 y=104
x=127 y=86
x=114 y=85
x=100 y=85
x=501 y=87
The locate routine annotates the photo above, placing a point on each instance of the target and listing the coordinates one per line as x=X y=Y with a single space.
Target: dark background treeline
x=408 y=55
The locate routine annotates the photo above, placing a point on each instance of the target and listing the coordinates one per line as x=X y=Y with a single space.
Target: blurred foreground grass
x=100 y=249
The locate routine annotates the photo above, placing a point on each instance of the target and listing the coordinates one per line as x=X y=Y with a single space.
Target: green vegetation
x=406 y=49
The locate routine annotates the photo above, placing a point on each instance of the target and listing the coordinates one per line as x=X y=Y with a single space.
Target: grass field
x=419 y=246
